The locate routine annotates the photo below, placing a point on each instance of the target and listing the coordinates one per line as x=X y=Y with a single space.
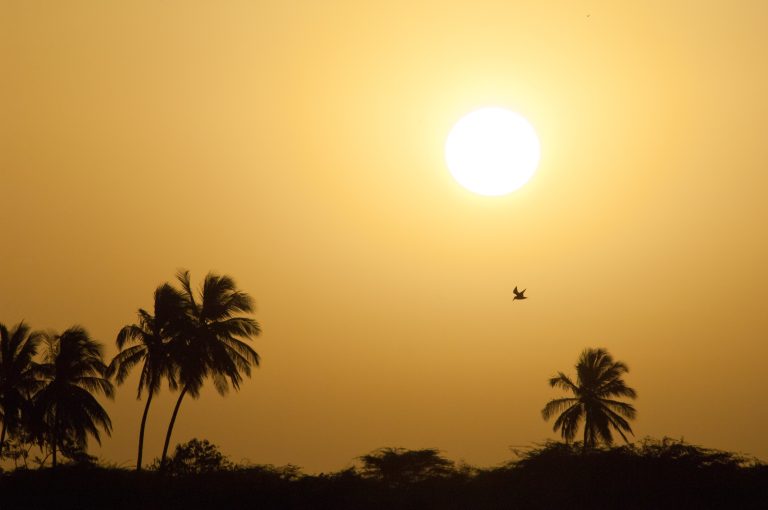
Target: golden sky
x=298 y=146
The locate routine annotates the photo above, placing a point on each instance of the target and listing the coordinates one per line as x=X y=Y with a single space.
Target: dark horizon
x=657 y=475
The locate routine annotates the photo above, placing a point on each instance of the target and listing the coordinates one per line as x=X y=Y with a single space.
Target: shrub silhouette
x=196 y=456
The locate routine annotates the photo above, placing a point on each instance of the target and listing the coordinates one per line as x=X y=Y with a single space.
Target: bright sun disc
x=492 y=151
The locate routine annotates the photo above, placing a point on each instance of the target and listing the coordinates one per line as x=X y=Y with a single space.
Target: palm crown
x=73 y=369
x=147 y=341
x=210 y=339
x=598 y=383
x=19 y=375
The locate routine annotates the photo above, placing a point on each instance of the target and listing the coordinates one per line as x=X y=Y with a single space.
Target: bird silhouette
x=519 y=294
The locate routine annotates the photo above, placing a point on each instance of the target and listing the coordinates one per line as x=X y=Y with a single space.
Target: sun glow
x=492 y=151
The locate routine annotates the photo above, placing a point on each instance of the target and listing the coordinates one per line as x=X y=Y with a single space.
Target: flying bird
x=519 y=294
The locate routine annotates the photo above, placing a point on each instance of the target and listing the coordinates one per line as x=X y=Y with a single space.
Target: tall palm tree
x=210 y=343
x=147 y=343
x=74 y=370
x=18 y=374
x=598 y=383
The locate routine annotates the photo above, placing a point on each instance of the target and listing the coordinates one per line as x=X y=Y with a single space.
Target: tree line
x=647 y=474
x=48 y=381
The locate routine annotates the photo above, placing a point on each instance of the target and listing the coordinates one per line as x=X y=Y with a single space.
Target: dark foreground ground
x=658 y=475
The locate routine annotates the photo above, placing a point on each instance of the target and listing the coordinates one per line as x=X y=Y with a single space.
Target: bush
x=196 y=456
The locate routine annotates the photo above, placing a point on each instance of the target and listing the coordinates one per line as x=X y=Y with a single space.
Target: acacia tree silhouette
x=598 y=381
x=148 y=342
x=210 y=340
x=73 y=369
x=19 y=375
x=398 y=466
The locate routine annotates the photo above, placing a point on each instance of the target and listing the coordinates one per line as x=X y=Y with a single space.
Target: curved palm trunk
x=141 y=431
x=170 y=428
x=2 y=438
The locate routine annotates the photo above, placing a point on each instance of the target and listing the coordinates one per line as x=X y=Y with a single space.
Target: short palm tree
x=147 y=343
x=18 y=375
x=74 y=370
x=598 y=383
x=210 y=343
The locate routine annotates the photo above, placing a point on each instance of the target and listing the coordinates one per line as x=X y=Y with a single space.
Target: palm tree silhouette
x=73 y=369
x=599 y=381
x=148 y=343
x=209 y=343
x=18 y=375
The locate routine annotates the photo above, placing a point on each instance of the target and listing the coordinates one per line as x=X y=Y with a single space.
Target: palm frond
x=97 y=384
x=129 y=334
x=243 y=350
x=568 y=422
x=622 y=408
x=616 y=388
x=220 y=383
x=184 y=279
x=124 y=361
x=564 y=382
x=618 y=421
x=555 y=406
x=242 y=327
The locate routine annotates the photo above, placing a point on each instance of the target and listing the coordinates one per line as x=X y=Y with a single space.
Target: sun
x=492 y=151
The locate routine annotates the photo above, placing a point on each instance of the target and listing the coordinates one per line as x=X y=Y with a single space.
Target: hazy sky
x=298 y=147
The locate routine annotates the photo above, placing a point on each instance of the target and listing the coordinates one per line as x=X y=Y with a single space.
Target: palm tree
x=73 y=369
x=210 y=343
x=18 y=375
x=598 y=382
x=147 y=343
